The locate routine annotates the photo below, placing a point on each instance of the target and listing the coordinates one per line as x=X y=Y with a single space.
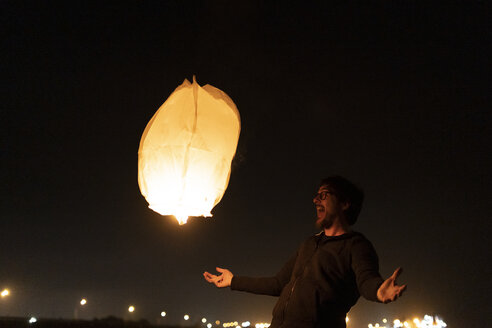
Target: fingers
x=207 y=277
x=214 y=279
x=398 y=292
x=220 y=283
x=395 y=275
x=397 y=272
x=210 y=277
x=222 y=280
x=401 y=290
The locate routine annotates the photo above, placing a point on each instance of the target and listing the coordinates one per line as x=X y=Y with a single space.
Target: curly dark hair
x=346 y=191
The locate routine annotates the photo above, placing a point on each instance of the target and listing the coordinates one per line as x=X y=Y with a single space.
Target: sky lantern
x=186 y=150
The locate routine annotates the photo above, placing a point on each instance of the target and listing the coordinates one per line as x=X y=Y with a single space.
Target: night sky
x=395 y=97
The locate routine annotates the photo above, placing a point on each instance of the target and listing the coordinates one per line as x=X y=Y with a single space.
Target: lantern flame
x=186 y=150
x=182 y=219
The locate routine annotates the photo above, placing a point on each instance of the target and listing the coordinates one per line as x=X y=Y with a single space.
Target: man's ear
x=345 y=206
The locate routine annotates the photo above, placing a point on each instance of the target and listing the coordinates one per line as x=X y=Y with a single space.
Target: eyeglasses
x=322 y=195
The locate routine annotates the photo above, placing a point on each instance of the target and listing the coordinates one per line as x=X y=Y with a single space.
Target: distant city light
x=434 y=322
x=262 y=325
x=427 y=322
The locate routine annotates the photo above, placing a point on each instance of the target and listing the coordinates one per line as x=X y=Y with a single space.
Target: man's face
x=328 y=207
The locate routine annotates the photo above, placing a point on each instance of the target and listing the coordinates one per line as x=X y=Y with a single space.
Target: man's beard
x=324 y=223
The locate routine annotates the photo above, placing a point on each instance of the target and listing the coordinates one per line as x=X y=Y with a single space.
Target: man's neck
x=337 y=228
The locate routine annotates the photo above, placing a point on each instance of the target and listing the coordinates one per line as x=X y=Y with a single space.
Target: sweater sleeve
x=365 y=265
x=265 y=285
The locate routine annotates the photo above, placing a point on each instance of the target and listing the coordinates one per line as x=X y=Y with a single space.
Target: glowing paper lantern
x=186 y=150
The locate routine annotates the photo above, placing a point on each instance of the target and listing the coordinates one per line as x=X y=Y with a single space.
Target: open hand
x=389 y=291
x=222 y=280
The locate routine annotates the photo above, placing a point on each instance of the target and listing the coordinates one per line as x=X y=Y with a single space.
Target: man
x=324 y=279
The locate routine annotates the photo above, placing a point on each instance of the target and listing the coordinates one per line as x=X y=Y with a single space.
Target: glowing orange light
x=185 y=153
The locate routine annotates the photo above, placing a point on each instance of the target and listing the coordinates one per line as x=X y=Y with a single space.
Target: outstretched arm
x=389 y=291
x=222 y=280
x=256 y=285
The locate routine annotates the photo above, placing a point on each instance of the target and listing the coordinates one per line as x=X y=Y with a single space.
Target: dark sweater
x=321 y=282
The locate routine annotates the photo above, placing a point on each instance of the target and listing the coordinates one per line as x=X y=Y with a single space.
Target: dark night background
x=394 y=96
